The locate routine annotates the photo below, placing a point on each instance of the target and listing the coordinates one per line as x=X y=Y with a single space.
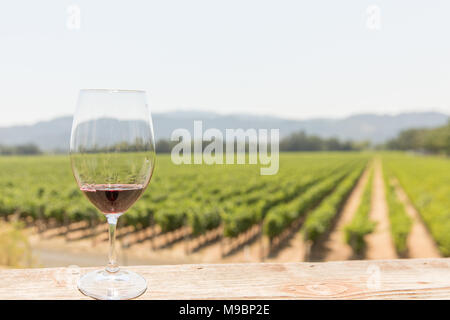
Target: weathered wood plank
x=383 y=279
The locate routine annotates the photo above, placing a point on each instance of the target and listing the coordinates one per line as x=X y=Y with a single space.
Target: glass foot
x=119 y=285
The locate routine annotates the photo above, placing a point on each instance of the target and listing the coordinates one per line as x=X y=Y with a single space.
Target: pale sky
x=292 y=59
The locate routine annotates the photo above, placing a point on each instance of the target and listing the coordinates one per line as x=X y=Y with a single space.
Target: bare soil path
x=249 y=252
x=335 y=248
x=379 y=242
x=293 y=250
x=420 y=243
x=57 y=251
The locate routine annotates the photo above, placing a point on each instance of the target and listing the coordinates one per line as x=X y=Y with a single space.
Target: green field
x=308 y=186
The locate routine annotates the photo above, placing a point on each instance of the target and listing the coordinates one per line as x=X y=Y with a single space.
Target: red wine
x=114 y=198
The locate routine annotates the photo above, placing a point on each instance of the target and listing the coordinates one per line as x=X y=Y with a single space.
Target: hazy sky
x=297 y=59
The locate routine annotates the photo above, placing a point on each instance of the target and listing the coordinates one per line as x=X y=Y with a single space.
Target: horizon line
x=265 y=115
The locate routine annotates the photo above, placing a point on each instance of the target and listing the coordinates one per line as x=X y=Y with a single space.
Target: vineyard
x=234 y=204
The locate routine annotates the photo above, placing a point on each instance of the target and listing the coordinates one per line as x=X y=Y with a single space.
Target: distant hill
x=54 y=134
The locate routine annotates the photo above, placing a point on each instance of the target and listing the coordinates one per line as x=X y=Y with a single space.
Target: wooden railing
x=369 y=279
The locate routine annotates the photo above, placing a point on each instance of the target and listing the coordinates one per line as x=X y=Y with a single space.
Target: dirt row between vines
x=420 y=243
x=335 y=248
x=379 y=242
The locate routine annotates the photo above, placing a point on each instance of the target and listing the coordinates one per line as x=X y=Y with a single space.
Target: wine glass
x=112 y=153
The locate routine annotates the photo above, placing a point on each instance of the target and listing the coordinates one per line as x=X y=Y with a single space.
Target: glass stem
x=112 y=257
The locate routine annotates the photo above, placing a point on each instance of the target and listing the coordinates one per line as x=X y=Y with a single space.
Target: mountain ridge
x=54 y=134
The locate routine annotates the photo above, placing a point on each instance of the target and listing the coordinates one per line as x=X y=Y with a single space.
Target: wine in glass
x=112 y=153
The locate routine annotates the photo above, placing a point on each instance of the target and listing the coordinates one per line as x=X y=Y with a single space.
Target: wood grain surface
x=374 y=279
